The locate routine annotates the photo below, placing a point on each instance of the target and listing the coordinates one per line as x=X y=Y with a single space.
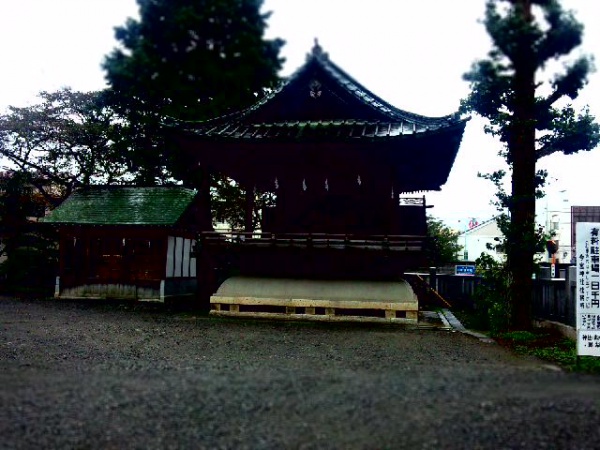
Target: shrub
x=492 y=295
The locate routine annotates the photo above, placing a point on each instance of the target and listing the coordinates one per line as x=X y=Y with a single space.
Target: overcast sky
x=411 y=53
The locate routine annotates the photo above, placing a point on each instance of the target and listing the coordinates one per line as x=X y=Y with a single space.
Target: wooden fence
x=553 y=299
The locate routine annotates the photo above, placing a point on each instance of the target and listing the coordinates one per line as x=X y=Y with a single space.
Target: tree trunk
x=522 y=208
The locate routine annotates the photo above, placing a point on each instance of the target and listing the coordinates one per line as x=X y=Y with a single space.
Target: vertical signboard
x=588 y=288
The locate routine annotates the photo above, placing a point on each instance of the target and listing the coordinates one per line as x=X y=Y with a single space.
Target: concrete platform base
x=323 y=300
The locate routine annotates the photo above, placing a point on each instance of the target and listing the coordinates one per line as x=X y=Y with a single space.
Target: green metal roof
x=119 y=205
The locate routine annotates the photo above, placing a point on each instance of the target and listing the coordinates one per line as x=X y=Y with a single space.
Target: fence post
x=433 y=278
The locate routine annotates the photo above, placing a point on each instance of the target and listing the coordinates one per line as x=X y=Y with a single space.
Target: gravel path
x=89 y=376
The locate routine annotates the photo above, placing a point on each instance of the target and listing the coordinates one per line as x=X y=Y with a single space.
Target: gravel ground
x=76 y=375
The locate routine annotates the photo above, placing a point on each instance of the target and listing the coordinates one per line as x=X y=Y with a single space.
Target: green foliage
x=520 y=336
x=18 y=200
x=188 y=60
x=521 y=41
x=229 y=202
x=552 y=347
x=442 y=243
x=193 y=59
x=523 y=111
x=64 y=141
x=28 y=251
x=32 y=264
x=492 y=295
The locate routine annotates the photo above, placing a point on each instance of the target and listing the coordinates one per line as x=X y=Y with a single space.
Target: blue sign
x=465 y=270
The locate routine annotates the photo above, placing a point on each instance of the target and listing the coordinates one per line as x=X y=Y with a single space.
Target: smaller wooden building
x=127 y=242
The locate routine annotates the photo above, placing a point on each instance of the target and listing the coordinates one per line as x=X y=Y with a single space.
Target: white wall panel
x=178 y=255
x=170 y=257
x=187 y=246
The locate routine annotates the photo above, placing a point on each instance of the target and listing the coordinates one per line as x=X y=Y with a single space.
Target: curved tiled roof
x=339 y=129
x=373 y=100
x=338 y=107
x=318 y=118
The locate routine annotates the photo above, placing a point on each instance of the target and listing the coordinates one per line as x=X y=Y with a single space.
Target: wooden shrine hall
x=337 y=163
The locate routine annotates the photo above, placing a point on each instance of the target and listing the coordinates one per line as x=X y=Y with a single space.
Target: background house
x=475 y=241
x=554 y=214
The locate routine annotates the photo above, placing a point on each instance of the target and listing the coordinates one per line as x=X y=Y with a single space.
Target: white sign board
x=587 y=299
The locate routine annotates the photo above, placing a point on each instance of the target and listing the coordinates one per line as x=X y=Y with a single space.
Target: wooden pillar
x=202 y=183
x=249 y=210
x=392 y=210
x=206 y=276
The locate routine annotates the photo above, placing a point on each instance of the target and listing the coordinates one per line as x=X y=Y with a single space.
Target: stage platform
x=322 y=300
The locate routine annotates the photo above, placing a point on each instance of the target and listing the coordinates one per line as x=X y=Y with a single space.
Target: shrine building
x=345 y=173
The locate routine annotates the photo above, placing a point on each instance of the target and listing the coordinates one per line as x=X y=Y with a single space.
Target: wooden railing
x=410 y=243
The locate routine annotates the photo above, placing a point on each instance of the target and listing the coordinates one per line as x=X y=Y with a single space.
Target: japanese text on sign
x=588 y=289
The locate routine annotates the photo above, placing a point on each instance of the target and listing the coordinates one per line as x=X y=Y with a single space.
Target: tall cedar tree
x=526 y=115
x=188 y=60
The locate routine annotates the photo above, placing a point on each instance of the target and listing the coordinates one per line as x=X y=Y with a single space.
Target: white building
x=476 y=240
x=553 y=214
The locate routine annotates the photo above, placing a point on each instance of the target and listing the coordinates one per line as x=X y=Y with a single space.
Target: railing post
x=433 y=278
x=249 y=210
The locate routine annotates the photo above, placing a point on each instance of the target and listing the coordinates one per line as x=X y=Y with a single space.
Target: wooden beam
x=316 y=303
x=317 y=317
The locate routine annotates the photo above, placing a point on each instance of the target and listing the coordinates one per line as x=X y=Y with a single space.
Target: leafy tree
x=442 y=243
x=188 y=60
x=28 y=251
x=530 y=116
x=64 y=141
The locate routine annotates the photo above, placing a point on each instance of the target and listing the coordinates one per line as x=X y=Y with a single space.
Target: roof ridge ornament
x=315 y=89
x=317 y=52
